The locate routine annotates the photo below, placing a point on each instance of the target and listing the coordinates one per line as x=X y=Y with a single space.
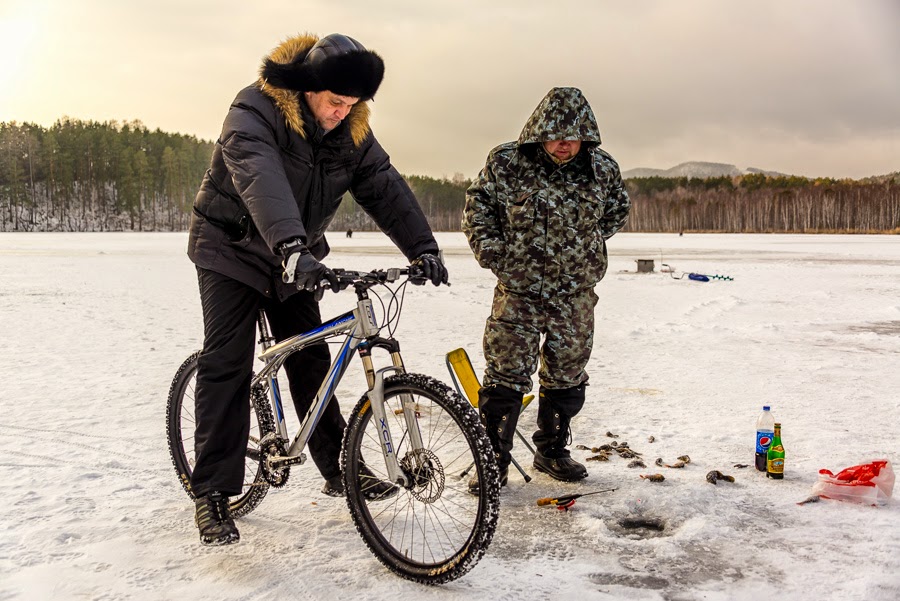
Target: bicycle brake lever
x=416 y=277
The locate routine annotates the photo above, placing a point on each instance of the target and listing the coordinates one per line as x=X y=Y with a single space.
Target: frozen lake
x=95 y=326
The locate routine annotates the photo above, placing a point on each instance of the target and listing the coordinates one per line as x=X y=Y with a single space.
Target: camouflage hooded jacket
x=542 y=227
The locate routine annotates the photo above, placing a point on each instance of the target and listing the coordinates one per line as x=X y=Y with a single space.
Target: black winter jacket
x=274 y=177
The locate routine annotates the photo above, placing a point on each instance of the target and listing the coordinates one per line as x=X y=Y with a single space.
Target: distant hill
x=698 y=169
x=881 y=179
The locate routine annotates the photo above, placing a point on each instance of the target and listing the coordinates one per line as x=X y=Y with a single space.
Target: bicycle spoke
x=433 y=530
x=181 y=423
x=437 y=524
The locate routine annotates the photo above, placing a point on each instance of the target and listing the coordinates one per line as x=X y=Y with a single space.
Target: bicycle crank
x=276 y=468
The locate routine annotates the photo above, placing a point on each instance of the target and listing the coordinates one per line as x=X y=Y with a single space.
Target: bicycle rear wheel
x=432 y=530
x=180 y=424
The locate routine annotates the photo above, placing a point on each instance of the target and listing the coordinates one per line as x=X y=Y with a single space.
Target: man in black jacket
x=292 y=145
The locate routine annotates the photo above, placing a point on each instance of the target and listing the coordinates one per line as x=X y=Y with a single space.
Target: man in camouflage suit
x=538 y=217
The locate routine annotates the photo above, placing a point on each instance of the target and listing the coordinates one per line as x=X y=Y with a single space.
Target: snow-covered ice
x=95 y=325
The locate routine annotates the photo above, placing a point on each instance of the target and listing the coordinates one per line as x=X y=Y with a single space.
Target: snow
x=95 y=326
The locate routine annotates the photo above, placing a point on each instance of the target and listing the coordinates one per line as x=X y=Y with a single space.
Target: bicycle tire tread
x=465 y=558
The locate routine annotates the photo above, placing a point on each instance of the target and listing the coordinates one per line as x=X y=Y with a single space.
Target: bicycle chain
x=275 y=478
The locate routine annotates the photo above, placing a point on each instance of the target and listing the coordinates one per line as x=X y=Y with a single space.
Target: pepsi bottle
x=765 y=429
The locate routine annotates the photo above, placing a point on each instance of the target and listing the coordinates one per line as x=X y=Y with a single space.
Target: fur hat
x=336 y=63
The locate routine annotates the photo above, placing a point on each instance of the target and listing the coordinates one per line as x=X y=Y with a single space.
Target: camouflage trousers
x=521 y=330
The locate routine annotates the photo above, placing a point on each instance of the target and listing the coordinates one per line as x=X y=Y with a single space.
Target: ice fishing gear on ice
x=564 y=502
x=697 y=277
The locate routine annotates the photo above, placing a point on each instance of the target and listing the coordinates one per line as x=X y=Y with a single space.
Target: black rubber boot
x=213 y=518
x=499 y=407
x=562 y=468
x=556 y=408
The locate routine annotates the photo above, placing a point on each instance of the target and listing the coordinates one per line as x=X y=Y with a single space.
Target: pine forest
x=110 y=176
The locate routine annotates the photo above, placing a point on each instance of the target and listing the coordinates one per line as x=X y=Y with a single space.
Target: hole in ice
x=632 y=526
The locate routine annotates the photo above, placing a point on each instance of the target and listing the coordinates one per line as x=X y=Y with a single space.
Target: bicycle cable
x=393 y=321
x=390 y=317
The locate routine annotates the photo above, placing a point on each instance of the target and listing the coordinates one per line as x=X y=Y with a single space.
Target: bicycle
x=427 y=527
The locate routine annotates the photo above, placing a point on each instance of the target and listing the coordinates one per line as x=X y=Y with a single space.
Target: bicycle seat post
x=265 y=339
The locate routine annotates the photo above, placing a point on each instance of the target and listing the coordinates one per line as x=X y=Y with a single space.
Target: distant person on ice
x=538 y=217
x=292 y=144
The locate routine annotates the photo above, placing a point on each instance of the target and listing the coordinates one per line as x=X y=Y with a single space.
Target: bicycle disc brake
x=424 y=471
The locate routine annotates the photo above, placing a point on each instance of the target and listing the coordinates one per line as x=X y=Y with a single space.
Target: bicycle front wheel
x=432 y=530
x=180 y=425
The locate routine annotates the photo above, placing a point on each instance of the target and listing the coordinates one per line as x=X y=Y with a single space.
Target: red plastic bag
x=870 y=483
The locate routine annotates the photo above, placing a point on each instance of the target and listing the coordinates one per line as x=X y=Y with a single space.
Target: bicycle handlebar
x=347 y=277
x=368 y=279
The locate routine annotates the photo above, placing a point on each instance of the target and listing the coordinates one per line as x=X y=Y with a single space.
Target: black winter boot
x=556 y=408
x=334 y=486
x=373 y=488
x=499 y=407
x=213 y=518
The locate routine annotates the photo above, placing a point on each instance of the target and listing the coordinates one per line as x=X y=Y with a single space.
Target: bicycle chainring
x=272 y=446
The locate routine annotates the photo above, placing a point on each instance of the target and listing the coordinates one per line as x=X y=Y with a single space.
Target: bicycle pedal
x=279 y=462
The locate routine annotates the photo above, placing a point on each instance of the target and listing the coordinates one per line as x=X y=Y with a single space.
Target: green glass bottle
x=775 y=456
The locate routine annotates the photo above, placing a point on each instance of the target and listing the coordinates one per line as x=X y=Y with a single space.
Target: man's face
x=328 y=108
x=563 y=150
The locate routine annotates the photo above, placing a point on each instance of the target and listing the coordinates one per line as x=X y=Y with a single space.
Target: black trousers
x=224 y=370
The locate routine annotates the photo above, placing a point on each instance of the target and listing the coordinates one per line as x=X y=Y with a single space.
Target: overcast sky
x=808 y=87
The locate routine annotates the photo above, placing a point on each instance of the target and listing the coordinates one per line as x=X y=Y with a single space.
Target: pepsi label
x=763 y=440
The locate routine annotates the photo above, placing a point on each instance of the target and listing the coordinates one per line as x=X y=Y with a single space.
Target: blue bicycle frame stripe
x=334 y=322
x=273 y=383
x=338 y=368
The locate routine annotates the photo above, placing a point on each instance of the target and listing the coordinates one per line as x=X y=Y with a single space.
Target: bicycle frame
x=361 y=330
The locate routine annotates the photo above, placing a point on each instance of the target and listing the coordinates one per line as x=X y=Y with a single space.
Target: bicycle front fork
x=408 y=406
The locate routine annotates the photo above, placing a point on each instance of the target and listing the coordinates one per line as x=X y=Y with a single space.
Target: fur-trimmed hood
x=288 y=101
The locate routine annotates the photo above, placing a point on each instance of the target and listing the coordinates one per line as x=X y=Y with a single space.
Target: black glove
x=304 y=270
x=432 y=268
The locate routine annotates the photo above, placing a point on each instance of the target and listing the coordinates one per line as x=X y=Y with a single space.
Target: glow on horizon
x=18 y=27
x=808 y=87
